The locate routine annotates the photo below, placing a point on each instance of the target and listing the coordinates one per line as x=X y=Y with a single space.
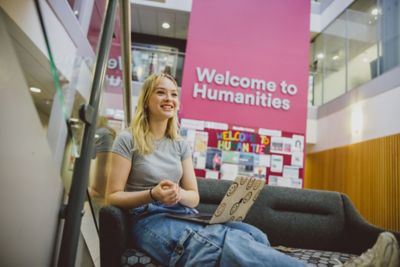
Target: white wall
x=180 y=5
x=380 y=118
x=30 y=186
x=24 y=15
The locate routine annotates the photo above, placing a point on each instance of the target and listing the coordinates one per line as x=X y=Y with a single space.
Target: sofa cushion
x=303 y=218
x=281 y=212
x=319 y=258
x=133 y=257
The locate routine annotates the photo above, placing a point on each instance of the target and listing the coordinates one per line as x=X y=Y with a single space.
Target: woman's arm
x=119 y=172
x=164 y=191
x=189 y=193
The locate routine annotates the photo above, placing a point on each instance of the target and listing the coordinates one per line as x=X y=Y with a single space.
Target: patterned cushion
x=311 y=257
x=317 y=258
x=132 y=257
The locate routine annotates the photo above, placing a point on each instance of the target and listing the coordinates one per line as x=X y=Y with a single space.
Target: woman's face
x=163 y=102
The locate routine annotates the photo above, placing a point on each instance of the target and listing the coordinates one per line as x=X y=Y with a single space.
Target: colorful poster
x=235 y=140
x=290 y=172
x=297 y=159
x=276 y=163
x=281 y=145
x=229 y=171
x=214 y=159
x=260 y=172
x=246 y=159
x=192 y=124
x=201 y=142
x=273 y=180
x=216 y=125
x=230 y=157
x=190 y=136
x=296 y=183
x=297 y=143
x=246 y=170
x=285 y=182
x=264 y=160
x=199 y=160
x=212 y=174
x=269 y=132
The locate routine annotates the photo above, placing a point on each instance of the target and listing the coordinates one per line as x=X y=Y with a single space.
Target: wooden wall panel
x=368 y=172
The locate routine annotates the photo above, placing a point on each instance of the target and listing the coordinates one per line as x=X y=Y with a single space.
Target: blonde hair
x=102 y=122
x=143 y=139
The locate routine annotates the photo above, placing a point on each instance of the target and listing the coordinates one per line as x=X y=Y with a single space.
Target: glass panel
x=63 y=75
x=73 y=144
x=310 y=98
x=317 y=69
x=311 y=76
x=363 y=49
x=148 y=59
x=109 y=121
x=371 y=47
x=334 y=59
x=100 y=165
x=388 y=14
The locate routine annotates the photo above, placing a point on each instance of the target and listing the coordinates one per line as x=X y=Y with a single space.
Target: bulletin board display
x=223 y=153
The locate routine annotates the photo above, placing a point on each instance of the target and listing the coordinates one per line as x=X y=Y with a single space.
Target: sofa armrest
x=361 y=235
x=114 y=234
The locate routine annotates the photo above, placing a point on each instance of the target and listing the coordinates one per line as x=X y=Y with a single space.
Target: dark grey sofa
x=317 y=223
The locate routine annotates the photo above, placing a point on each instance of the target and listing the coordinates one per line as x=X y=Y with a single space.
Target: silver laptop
x=235 y=205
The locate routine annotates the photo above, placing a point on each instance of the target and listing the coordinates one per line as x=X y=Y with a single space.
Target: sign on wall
x=247 y=63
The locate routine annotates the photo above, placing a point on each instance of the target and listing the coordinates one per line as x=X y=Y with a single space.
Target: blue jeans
x=175 y=242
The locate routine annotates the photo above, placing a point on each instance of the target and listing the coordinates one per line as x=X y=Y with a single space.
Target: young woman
x=152 y=174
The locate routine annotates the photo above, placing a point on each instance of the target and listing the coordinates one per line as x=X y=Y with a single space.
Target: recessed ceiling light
x=374 y=12
x=35 y=90
x=166 y=25
x=320 y=56
x=335 y=57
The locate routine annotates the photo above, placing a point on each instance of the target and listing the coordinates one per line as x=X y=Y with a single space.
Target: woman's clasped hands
x=167 y=192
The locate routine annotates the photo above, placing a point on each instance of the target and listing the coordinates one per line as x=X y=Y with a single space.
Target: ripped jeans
x=175 y=242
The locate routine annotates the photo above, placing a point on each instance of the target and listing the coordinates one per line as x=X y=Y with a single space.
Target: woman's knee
x=253 y=231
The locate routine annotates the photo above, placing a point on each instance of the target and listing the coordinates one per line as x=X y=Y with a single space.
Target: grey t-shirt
x=147 y=171
x=104 y=140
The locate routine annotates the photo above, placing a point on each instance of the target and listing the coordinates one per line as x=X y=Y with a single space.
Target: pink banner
x=114 y=69
x=247 y=63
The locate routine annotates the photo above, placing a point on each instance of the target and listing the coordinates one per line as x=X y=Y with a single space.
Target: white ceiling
x=147 y=16
x=36 y=69
x=148 y=20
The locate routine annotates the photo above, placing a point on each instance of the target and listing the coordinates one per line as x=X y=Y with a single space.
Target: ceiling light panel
x=166 y=25
x=166 y=17
x=35 y=90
